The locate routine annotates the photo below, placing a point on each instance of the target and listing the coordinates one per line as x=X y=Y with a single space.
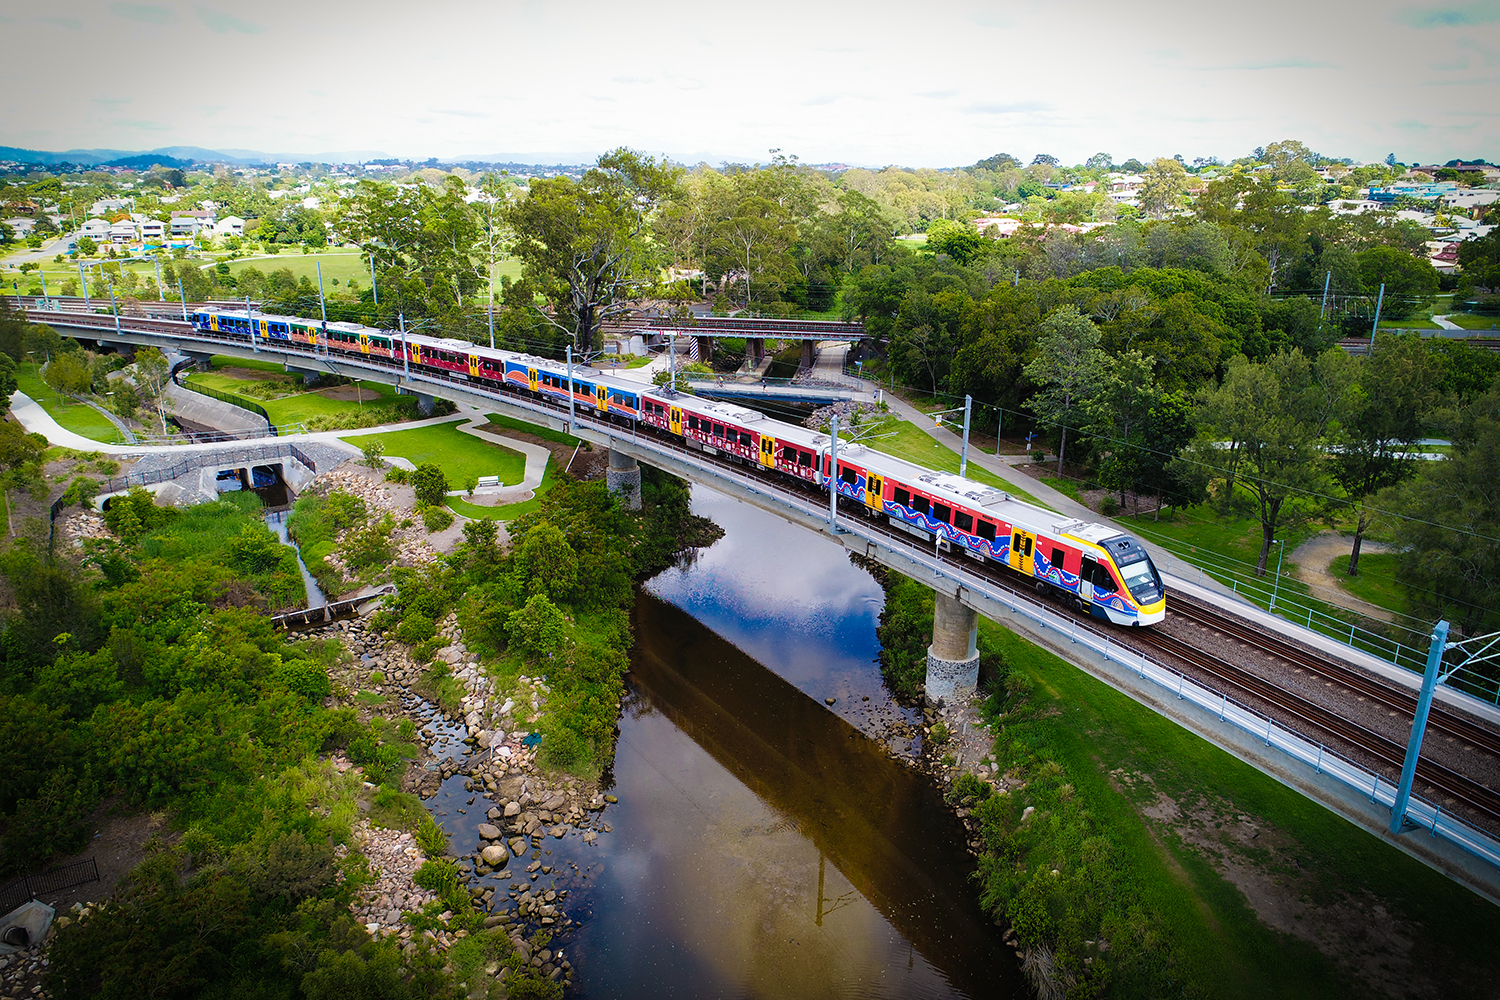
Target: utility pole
x=161 y=295
x=183 y=294
x=999 y=428
x=112 y=307
x=374 y=289
x=84 y=281
x=1419 y=725
x=1378 y=303
x=833 y=476
x=492 y=305
x=405 y=353
x=321 y=304
x=251 y=319
x=963 y=456
x=570 y=387
x=1327 y=278
x=45 y=296
x=672 y=359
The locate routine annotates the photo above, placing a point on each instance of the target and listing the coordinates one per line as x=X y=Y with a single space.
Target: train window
x=920 y=504
x=903 y=497
x=804 y=459
x=718 y=430
x=692 y=422
x=849 y=474
x=963 y=522
x=986 y=531
x=942 y=512
x=1057 y=557
x=744 y=440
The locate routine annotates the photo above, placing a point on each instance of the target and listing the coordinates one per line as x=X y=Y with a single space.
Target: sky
x=943 y=83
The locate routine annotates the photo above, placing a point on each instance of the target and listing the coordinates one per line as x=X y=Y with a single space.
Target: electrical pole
x=833 y=476
x=570 y=387
x=161 y=295
x=83 y=279
x=184 y=300
x=963 y=456
x=374 y=289
x=1419 y=725
x=405 y=352
x=1378 y=303
x=321 y=304
x=251 y=319
x=1327 y=278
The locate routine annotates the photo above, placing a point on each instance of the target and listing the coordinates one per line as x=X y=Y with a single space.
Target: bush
x=1109 y=506
x=940 y=734
x=416 y=628
x=430 y=837
x=396 y=474
x=430 y=483
x=537 y=629
x=436 y=876
x=436 y=518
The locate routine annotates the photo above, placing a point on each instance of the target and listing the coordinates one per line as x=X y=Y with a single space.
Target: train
x=1097 y=569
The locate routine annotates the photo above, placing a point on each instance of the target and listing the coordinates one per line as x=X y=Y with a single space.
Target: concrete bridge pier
x=425 y=401
x=624 y=477
x=705 y=349
x=809 y=353
x=953 y=657
x=755 y=352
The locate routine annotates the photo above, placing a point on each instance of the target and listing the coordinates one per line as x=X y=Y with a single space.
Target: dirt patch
x=1314 y=557
x=348 y=393
x=253 y=375
x=585 y=465
x=118 y=846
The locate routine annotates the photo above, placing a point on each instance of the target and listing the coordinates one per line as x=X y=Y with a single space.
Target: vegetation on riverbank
x=555 y=604
x=1133 y=859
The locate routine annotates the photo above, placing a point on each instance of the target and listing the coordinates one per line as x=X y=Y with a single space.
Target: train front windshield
x=1141 y=579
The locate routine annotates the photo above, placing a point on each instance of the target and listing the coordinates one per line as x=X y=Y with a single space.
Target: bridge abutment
x=809 y=353
x=953 y=657
x=624 y=477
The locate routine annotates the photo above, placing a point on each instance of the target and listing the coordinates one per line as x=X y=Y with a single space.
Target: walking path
x=37 y=420
x=1312 y=559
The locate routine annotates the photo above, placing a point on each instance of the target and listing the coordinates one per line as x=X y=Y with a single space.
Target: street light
x=1276 y=584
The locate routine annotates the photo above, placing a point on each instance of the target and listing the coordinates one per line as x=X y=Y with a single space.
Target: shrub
x=430 y=483
x=940 y=734
x=305 y=677
x=430 y=837
x=416 y=628
x=538 y=628
x=1109 y=506
x=436 y=876
x=344 y=510
x=396 y=474
x=374 y=453
x=436 y=518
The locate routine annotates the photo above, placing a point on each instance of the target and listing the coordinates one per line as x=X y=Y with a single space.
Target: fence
x=232 y=400
x=29 y=887
x=209 y=459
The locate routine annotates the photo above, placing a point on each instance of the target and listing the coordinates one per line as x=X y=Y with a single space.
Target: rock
x=493 y=814
x=512 y=809
x=489 y=831
x=1026 y=813
x=518 y=845
x=555 y=803
x=611 y=799
x=494 y=855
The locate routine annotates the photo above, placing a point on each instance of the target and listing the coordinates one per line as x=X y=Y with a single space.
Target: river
x=765 y=843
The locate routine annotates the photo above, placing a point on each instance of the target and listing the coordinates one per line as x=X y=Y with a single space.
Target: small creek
x=765 y=844
x=276 y=521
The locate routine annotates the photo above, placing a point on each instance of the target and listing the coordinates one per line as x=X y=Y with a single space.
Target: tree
x=154 y=371
x=1274 y=416
x=431 y=484
x=1123 y=399
x=957 y=240
x=1163 y=188
x=1044 y=159
x=86 y=246
x=1066 y=369
x=584 y=242
x=1398 y=384
x=1409 y=283
x=65 y=373
x=1100 y=161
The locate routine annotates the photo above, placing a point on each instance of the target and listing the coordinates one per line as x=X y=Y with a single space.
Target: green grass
x=298 y=407
x=1123 y=759
x=632 y=361
x=219 y=362
x=1474 y=321
x=1067 y=487
x=459 y=455
x=340 y=265
x=910 y=442
x=504 y=512
x=1376 y=582
x=76 y=417
x=545 y=433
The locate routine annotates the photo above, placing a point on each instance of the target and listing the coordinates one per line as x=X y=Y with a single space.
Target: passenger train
x=1095 y=568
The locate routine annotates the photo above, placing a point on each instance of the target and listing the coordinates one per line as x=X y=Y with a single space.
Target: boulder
x=494 y=855
x=512 y=809
x=556 y=803
x=489 y=832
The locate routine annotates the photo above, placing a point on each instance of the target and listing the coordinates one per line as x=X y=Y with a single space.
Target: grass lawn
x=505 y=512
x=76 y=417
x=1474 y=321
x=459 y=455
x=1183 y=812
x=1415 y=323
x=910 y=442
x=1376 y=582
x=340 y=265
x=545 y=433
x=298 y=407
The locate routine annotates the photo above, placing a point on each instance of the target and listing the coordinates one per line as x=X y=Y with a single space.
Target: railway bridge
x=964 y=590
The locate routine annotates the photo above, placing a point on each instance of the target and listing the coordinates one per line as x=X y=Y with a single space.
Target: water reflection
x=763 y=845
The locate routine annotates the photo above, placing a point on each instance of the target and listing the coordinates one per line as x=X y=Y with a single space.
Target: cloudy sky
x=936 y=84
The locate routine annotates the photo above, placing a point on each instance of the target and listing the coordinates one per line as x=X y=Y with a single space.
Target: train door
x=768 y=451
x=531 y=379
x=674 y=416
x=601 y=393
x=1088 y=572
x=213 y=322
x=874 y=484
x=473 y=366
x=265 y=329
x=364 y=343
x=1021 y=545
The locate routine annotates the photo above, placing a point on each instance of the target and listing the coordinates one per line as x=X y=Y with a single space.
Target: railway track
x=1314 y=719
x=1472 y=734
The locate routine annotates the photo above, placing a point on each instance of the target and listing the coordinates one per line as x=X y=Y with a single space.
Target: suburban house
x=232 y=226
x=187 y=223
x=153 y=230
x=124 y=231
x=95 y=229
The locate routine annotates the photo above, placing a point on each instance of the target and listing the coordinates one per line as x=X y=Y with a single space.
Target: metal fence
x=231 y=399
x=209 y=459
x=29 y=887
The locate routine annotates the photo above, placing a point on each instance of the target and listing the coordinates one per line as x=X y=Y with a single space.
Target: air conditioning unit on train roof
x=1070 y=526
